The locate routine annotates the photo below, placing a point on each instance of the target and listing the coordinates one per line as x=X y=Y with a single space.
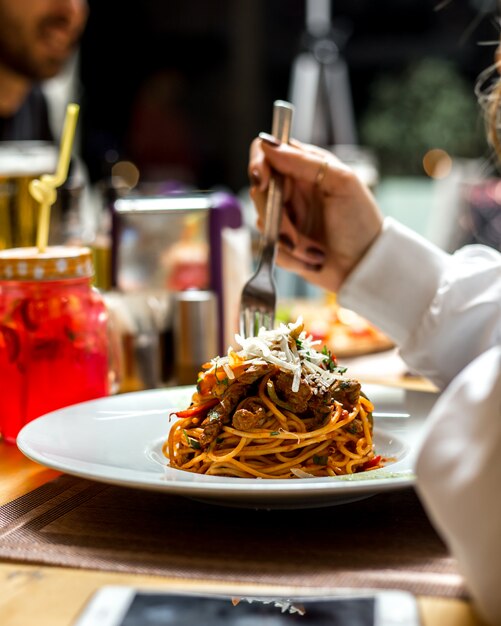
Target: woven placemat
x=385 y=541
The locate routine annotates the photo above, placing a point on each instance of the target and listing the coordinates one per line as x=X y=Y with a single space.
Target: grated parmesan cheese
x=228 y=371
x=287 y=348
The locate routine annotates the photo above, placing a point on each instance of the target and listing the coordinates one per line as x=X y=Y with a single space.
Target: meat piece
x=250 y=414
x=220 y=414
x=253 y=373
x=346 y=392
x=246 y=420
x=320 y=403
x=211 y=431
x=236 y=391
x=297 y=400
x=355 y=427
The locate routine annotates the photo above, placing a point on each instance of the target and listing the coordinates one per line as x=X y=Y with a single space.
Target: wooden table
x=54 y=596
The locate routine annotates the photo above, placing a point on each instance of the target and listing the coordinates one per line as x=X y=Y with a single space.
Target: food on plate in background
x=343 y=331
x=278 y=408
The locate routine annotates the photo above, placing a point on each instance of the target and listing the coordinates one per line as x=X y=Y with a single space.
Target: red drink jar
x=53 y=334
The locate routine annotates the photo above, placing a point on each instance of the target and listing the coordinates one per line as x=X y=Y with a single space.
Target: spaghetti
x=278 y=408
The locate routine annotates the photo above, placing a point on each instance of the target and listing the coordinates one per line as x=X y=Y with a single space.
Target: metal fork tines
x=258 y=300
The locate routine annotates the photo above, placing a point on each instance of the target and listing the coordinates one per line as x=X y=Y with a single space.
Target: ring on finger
x=322 y=171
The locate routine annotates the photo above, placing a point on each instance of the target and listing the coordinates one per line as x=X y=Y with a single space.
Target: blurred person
x=37 y=39
x=443 y=311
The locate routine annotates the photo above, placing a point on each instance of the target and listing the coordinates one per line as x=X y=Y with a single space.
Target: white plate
x=118 y=440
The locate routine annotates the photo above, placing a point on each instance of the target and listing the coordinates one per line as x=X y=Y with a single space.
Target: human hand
x=330 y=217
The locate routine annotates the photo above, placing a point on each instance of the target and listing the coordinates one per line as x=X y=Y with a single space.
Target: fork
x=258 y=300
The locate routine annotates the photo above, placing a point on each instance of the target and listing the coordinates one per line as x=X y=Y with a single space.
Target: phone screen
x=159 y=610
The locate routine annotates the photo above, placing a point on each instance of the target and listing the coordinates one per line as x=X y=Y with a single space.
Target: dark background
x=180 y=87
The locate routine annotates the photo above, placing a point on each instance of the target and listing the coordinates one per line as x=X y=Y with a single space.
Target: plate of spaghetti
x=274 y=424
x=277 y=408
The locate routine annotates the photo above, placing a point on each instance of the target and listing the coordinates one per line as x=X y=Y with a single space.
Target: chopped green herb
x=320 y=459
x=275 y=432
x=193 y=443
x=331 y=363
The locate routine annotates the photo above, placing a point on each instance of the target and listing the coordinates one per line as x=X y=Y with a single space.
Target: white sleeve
x=459 y=476
x=445 y=313
x=442 y=310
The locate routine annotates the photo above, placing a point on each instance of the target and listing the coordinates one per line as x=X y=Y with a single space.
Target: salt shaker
x=196 y=333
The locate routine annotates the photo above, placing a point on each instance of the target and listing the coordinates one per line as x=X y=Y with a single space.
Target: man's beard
x=21 y=60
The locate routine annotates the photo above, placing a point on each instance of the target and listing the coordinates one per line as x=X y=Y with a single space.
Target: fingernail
x=313 y=267
x=286 y=241
x=269 y=139
x=315 y=253
x=254 y=178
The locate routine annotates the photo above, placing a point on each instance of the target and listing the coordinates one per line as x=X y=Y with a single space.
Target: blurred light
x=127 y=172
x=111 y=156
x=437 y=163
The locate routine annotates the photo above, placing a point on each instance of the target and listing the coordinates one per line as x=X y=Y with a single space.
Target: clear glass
x=20 y=163
x=54 y=348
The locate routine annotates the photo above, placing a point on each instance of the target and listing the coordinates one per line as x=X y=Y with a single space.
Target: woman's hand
x=330 y=218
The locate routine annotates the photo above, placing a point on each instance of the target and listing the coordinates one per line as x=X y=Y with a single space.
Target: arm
x=442 y=310
x=445 y=311
x=333 y=235
x=458 y=476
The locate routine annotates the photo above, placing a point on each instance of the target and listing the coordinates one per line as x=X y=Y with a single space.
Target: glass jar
x=54 y=344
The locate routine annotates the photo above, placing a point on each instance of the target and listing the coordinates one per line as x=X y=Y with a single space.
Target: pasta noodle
x=278 y=408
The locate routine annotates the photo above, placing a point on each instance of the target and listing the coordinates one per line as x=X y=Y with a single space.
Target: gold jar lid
x=56 y=263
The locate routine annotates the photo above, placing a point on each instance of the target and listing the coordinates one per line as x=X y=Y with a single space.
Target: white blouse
x=444 y=312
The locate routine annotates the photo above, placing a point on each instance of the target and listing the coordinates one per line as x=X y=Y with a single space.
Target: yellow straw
x=44 y=188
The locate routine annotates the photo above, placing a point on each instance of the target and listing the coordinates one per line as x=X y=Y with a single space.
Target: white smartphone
x=126 y=606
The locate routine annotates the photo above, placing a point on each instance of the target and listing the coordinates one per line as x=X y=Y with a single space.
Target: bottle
x=54 y=341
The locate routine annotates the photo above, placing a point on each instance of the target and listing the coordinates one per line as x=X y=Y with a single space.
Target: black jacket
x=30 y=123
